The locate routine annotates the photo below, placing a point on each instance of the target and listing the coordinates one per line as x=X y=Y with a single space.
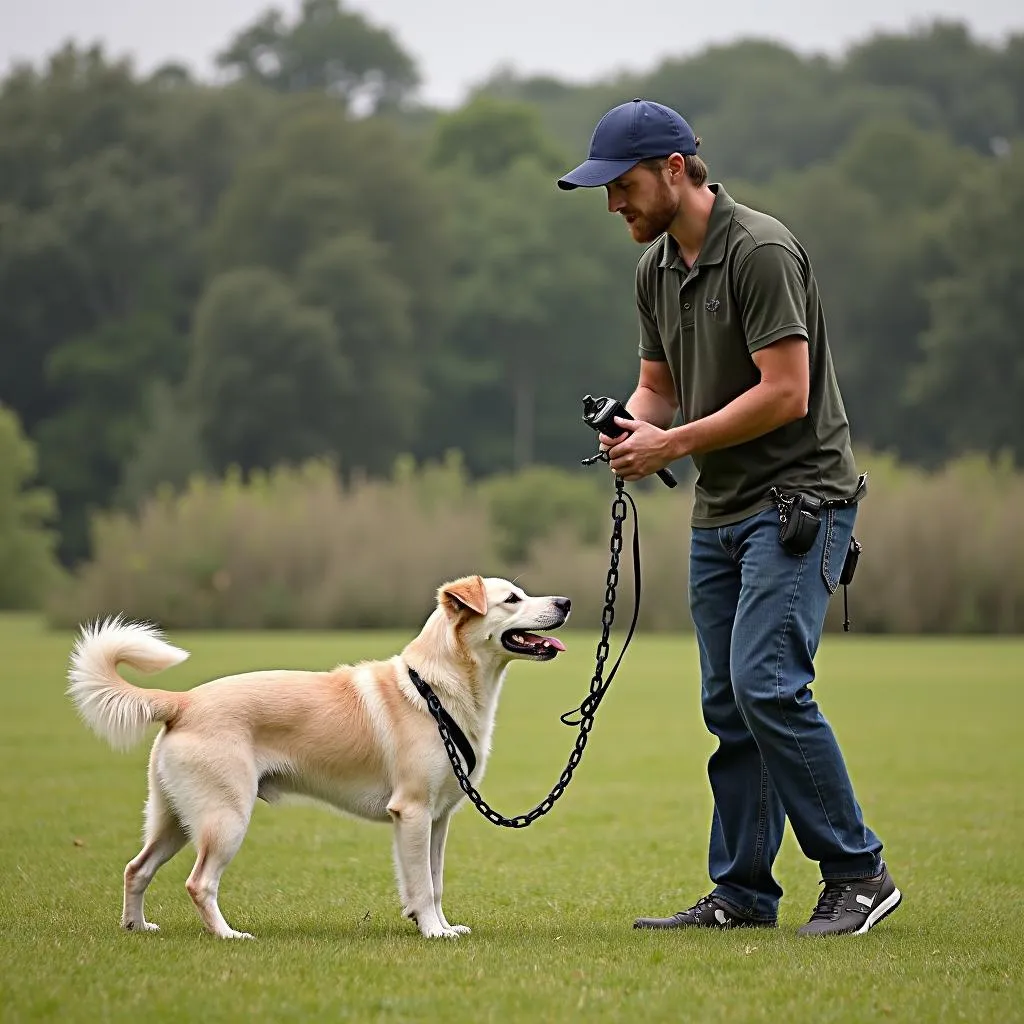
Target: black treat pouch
x=800 y=520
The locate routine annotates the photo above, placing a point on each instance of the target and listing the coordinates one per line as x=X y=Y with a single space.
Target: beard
x=653 y=221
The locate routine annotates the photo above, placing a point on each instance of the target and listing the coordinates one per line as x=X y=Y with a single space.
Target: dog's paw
x=436 y=930
x=460 y=929
x=232 y=934
x=140 y=926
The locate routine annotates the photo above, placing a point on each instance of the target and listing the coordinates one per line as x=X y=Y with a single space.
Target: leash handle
x=599 y=414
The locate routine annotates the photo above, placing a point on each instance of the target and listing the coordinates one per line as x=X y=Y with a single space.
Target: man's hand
x=642 y=450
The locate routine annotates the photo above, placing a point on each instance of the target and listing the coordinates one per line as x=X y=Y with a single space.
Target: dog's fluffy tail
x=112 y=707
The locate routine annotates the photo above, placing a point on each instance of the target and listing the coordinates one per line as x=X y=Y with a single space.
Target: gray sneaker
x=850 y=906
x=707 y=912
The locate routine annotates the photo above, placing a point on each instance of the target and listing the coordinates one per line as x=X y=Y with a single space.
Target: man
x=732 y=334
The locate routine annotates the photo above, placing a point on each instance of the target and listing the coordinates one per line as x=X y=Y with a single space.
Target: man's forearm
x=651 y=407
x=755 y=412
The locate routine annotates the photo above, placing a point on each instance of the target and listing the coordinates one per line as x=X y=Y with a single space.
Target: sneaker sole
x=882 y=911
x=704 y=927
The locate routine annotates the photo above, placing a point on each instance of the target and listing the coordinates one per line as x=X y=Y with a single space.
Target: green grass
x=931 y=729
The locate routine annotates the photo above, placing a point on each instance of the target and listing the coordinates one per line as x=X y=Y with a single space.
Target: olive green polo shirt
x=752 y=284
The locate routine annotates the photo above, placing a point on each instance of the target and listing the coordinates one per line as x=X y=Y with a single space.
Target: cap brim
x=592 y=173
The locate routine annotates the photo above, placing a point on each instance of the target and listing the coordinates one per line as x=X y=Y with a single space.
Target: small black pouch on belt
x=799 y=522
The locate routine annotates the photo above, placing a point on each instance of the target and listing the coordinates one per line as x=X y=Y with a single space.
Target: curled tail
x=112 y=707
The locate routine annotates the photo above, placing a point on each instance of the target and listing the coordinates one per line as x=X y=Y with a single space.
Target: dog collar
x=435 y=707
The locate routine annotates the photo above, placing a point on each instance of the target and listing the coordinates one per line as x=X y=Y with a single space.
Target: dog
x=359 y=738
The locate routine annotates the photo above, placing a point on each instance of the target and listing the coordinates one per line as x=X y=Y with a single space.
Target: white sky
x=456 y=43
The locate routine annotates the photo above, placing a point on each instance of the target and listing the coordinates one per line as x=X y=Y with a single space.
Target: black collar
x=443 y=718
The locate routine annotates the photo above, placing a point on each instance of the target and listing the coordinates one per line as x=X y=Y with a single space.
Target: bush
x=297 y=548
x=539 y=502
x=943 y=552
x=287 y=548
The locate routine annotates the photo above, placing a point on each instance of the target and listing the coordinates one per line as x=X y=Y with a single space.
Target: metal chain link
x=586 y=710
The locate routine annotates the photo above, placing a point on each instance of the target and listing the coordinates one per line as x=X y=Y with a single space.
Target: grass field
x=931 y=728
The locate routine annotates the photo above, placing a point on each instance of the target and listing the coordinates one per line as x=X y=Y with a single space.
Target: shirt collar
x=715 y=239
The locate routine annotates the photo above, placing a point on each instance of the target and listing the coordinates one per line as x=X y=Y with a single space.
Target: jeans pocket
x=832 y=554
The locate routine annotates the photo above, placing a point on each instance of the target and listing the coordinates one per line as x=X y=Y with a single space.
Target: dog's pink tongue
x=556 y=643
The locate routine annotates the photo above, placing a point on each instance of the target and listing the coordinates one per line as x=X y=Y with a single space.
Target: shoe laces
x=830 y=900
x=694 y=911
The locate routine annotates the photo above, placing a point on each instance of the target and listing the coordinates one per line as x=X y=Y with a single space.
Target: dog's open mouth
x=518 y=641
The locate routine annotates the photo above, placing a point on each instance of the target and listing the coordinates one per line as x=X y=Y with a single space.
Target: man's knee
x=770 y=699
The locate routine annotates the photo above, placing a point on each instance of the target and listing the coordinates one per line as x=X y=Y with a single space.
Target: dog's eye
x=513 y=599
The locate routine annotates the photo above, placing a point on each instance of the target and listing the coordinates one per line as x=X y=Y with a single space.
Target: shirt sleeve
x=771 y=286
x=651 y=346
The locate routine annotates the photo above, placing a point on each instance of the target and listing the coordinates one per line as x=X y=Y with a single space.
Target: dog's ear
x=468 y=592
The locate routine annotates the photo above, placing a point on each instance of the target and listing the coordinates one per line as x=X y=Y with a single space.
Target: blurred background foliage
x=297 y=295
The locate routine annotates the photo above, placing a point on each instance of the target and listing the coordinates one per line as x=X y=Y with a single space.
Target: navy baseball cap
x=627 y=134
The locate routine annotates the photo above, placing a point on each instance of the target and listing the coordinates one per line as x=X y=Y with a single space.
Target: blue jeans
x=758 y=613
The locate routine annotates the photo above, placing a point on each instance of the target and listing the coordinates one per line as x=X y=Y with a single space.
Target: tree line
x=302 y=260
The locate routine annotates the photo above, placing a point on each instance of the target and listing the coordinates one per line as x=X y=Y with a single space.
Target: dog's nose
x=563 y=604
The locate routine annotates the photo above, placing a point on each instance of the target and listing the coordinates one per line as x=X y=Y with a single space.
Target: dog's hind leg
x=438 y=838
x=217 y=841
x=164 y=838
x=213 y=797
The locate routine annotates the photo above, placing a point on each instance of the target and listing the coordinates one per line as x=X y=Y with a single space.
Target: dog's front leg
x=412 y=838
x=403 y=889
x=438 y=838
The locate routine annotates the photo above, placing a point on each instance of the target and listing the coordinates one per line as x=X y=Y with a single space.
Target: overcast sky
x=458 y=42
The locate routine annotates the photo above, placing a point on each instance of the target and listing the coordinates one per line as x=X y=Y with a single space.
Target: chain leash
x=598 y=685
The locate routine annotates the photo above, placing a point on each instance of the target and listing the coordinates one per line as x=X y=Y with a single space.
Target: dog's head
x=493 y=617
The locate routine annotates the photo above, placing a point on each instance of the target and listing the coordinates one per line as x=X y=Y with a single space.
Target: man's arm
x=778 y=398
x=770 y=284
x=654 y=400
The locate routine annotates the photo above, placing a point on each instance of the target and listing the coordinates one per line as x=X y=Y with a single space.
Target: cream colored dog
x=359 y=738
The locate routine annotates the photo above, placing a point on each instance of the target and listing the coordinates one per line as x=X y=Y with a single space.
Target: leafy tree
x=73 y=141
x=322 y=176
x=970 y=379
x=1011 y=73
x=79 y=105
x=105 y=179
x=869 y=283
x=541 y=306
x=962 y=76
x=487 y=135
x=328 y=49
x=266 y=375
x=206 y=132
x=27 y=564
x=904 y=167
x=168 y=447
x=351 y=276
x=99 y=281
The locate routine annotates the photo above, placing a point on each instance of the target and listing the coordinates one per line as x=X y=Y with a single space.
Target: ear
x=467 y=592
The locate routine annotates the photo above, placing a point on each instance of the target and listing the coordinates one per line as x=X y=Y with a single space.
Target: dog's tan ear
x=468 y=592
